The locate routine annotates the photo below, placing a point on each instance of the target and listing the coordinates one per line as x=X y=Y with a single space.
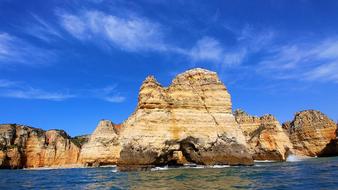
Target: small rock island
x=189 y=122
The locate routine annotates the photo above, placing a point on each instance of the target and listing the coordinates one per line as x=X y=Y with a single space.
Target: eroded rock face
x=265 y=136
x=310 y=132
x=193 y=116
x=81 y=140
x=22 y=146
x=103 y=146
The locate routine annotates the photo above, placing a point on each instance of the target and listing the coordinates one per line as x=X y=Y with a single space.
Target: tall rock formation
x=191 y=121
x=23 y=146
x=103 y=146
x=192 y=117
x=265 y=136
x=310 y=132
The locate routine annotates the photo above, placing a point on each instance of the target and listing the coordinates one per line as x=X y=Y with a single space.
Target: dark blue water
x=317 y=173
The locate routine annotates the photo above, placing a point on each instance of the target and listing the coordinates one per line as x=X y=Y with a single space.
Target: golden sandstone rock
x=192 y=115
x=23 y=146
x=265 y=136
x=310 y=132
x=191 y=121
x=103 y=146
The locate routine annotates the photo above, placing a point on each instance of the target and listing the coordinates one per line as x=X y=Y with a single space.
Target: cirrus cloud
x=129 y=33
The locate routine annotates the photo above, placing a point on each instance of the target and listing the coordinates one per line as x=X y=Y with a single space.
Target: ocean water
x=315 y=173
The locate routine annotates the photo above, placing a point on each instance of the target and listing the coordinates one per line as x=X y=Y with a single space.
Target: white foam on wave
x=295 y=158
x=159 y=168
x=114 y=170
x=188 y=166
x=218 y=166
x=264 y=161
x=108 y=166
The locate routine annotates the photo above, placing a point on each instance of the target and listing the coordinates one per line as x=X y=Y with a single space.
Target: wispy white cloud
x=33 y=93
x=75 y=26
x=208 y=49
x=128 y=33
x=108 y=93
x=137 y=34
x=115 y=99
x=247 y=41
x=15 y=50
x=315 y=60
x=14 y=89
x=324 y=72
x=21 y=90
x=42 y=29
x=6 y=83
x=211 y=50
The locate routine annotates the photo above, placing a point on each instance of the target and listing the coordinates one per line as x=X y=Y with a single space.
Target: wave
x=188 y=166
x=295 y=158
x=108 y=166
x=55 y=168
x=265 y=161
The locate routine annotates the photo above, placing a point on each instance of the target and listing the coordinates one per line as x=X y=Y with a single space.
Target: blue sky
x=68 y=64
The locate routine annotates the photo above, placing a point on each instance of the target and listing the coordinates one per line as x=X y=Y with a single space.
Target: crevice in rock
x=203 y=100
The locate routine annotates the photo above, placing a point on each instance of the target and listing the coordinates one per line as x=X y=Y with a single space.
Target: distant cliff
x=190 y=121
x=23 y=146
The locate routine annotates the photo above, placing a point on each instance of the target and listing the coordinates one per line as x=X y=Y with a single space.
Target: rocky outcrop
x=80 y=140
x=191 y=121
x=265 y=136
x=23 y=146
x=103 y=146
x=310 y=132
x=192 y=116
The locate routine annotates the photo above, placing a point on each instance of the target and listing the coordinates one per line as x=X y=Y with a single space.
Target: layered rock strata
x=191 y=121
x=192 y=117
x=265 y=136
x=310 y=132
x=23 y=146
x=103 y=147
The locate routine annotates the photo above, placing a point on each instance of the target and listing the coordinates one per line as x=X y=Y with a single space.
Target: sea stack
x=192 y=117
x=310 y=132
x=189 y=122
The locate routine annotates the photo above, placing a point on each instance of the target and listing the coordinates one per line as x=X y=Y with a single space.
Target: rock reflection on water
x=186 y=179
x=170 y=179
x=316 y=173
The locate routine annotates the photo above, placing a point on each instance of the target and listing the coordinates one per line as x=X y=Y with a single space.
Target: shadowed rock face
x=22 y=146
x=192 y=116
x=103 y=146
x=331 y=149
x=81 y=140
x=265 y=136
x=310 y=132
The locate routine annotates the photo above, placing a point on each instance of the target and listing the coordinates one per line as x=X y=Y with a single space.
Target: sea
x=313 y=173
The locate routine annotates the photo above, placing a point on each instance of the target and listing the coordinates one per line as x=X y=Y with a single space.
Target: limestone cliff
x=265 y=136
x=190 y=121
x=103 y=146
x=80 y=140
x=192 y=117
x=310 y=132
x=23 y=146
